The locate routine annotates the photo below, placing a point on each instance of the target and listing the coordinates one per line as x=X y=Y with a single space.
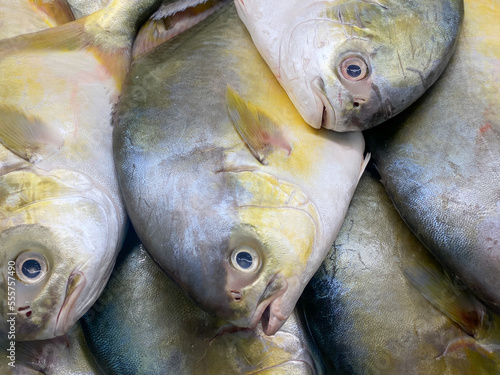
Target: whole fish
x=64 y=355
x=367 y=318
x=233 y=195
x=27 y=16
x=62 y=221
x=144 y=324
x=440 y=161
x=82 y=8
x=352 y=64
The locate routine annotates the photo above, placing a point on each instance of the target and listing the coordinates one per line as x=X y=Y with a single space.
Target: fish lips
x=269 y=308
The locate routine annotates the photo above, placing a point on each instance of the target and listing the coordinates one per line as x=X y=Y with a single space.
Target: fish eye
x=245 y=259
x=31 y=267
x=353 y=68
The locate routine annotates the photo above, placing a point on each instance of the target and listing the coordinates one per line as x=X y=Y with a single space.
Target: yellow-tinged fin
x=261 y=134
x=27 y=136
x=451 y=298
x=171 y=20
x=56 y=12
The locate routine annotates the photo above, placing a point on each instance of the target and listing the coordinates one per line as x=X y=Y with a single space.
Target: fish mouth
x=268 y=310
x=328 y=119
x=66 y=317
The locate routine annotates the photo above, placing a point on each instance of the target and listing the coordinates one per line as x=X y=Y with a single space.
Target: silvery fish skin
x=64 y=355
x=440 y=160
x=352 y=64
x=62 y=220
x=82 y=8
x=28 y=16
x=240 y=222
x=367 y=318
x=144 y=324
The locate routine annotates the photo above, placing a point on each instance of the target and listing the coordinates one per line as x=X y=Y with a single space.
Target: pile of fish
x=185 y=189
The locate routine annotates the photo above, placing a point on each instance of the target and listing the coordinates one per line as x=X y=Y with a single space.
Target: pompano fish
x=144 y=324
x=230 y=191
x=440 y=161
x=82 y=8
x=352 y=64
x=367 y=318
x=27 y=16
x=61 y=216
x=64 y=355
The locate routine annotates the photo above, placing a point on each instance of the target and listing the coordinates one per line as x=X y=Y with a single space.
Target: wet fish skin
x=440 y=160
x=197 y=193
x=62 y=220
x=144 y=324
x=367 y=317
x=309 y=45
x=65 y=355
x=27 y=16
x=83 y=8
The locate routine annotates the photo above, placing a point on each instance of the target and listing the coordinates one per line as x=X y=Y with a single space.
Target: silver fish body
x=352 y=64
x=367 y=317
x=440 y=160
x=237 y=200
x=144 y=324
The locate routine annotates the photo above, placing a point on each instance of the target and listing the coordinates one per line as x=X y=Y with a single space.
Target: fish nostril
x=23 y=308
x=28 y=314
x=356 y=104
x=236 y=295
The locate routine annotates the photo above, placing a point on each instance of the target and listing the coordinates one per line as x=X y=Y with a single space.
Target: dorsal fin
x=55 y=12
x=452 y=299
x=170 y=20
x=261 y=134
x=27 y=136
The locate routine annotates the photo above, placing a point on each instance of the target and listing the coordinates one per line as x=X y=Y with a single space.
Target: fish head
x=266 y=264
x=351 y=65
x=58 y=237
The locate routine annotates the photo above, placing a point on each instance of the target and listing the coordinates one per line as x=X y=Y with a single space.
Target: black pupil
x=31 y=268
x=354 y=70
x=244 y=259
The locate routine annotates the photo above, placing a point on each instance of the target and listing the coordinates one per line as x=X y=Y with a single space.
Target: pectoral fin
x=170 y=20
x=452 y=299
x=27 y=136
x=261 y=134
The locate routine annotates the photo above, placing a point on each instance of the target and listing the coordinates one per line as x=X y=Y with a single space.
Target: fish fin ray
x=56 y=12
x=452 y=299
x=27 y=136
x=261 y=134
x=171 y=20
x=70 y=36
x=364 y=164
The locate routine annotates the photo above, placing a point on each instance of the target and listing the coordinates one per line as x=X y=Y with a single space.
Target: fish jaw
x=66 y=317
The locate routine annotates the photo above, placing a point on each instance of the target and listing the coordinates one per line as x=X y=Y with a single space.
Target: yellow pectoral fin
x=261 y=134
x=27 y=136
